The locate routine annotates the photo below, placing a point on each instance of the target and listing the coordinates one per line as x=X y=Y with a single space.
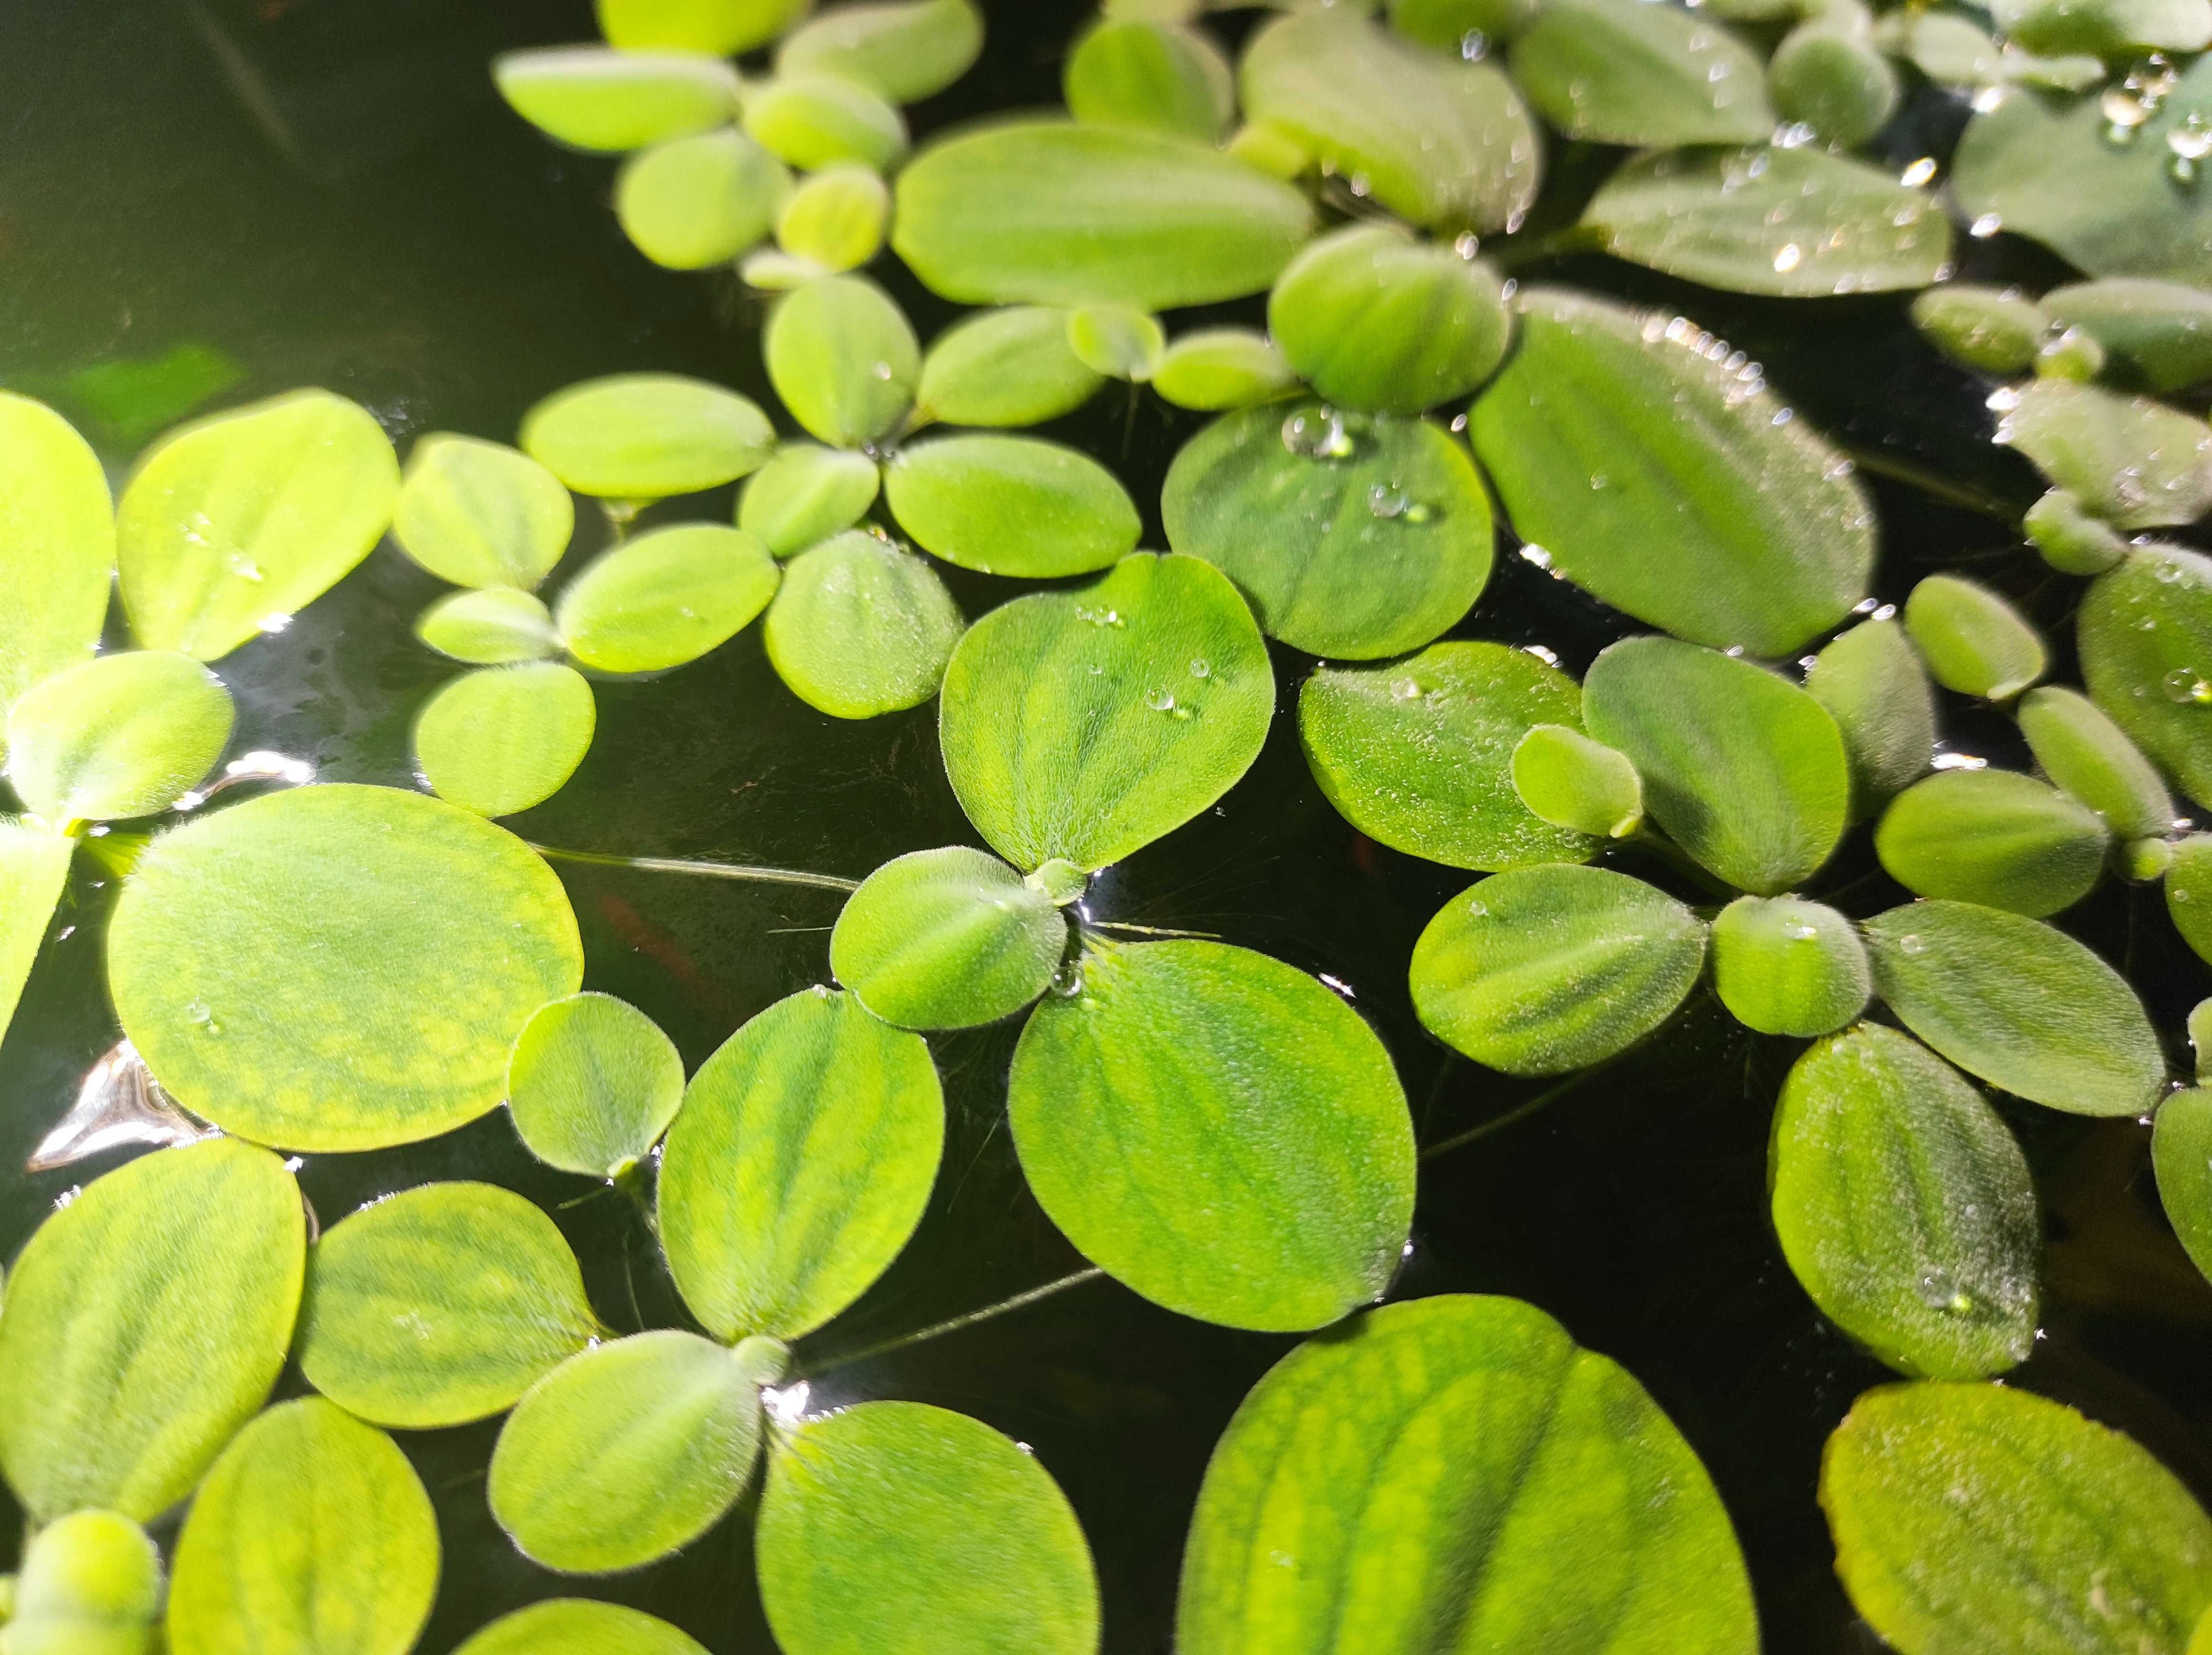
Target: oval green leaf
x=646 y=436
x=2085 y=754
x=859 y=627
x=34 y=867
x=89 y=1584
x=1571 y=781
x=2164 y=328
x=1874 y=685
x=502 y=739
x=947 y=939
x=1116 y=342
x=2181 y=1157
x=717 y=28
x=1005 y=367
x=1785 y=966
x=906 y=50
x=2145 y=635
x=1974 y=641
x=2188 y=892
x=2134 y=462
x=595 y=98
x=498 y=625
x=579 y=1625
x=804 y=495
x=665 y=599
x=1620 y=71
x=57 y=545
x=836 y=220
x=480 y=513
x=698 y=201
x=591 y=1084
x=1827 y=74
x=843 y=358
x=124 y=735
x=1014 y=505
x=1156 y=76
x=1994 y=837
x=814 y=121
x=1220 y=369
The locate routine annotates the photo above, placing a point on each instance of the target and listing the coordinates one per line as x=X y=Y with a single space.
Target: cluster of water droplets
x=2129 y=105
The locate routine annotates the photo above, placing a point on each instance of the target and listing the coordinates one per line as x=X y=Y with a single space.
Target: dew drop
x=1387 y=501
x=1160 y=701
x=1404 y=689
x=1911 y=944
x=1201 y=668
x=2185 y=686
x=244 y=567
x=1317 y=433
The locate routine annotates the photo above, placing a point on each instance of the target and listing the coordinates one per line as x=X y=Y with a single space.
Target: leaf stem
x=1930 y=484
x=937 y=1330
x=1512 y=1116
x=663 y=864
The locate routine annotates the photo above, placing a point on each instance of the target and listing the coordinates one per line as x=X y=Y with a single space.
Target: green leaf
x=1116 y=342
x=799 y=1166
x=1796 y=223
x=1741 y=768
x=804 y=495
x=1444 y=145
x=1974 y=641
x=1873 y=684
x=1218 y=368
x=904 y=1530
x=1086 y=724
x=90 y=1585
x=630 y=1451
x=1157 y=76
x=1005 y=367
x=591 y=1084
x=578 y=1626
x=595 y=98
x=338 y=967
x=124 y=735
x=2145 y=635
x=34 y=865
x=667 y=597
x=859 y=627
x=1186 y=1097
x=1379 y=322
x=1993 y=330
x=1668 y=484
x=836 y=220
x=1567 y=779
x=2025 y=1007
x=502 y=739
x=2188 y=892
x=1904 y=1207
x=1454 y=1473
x=2164 y=328
x=2105 y=28
x=1827 y=74
x=1351 y=537
x=480 y=513
x=907 y=50
x=843 y=358
x=1540 y=971
x=243 y=517
x=57 y=545
x=813 y=121
x=1050 y=213
x=1785 y=966
x=700 y=200
x=1971 y=1517
x=145 y=1323
x=646 y=436
x=1446 y=24
x=312 y=1534
x=496 y=626
x=2133 y=462
x=1617 y=71
x=1416 y=754
x=1014 y=505
x=441 y=1304
x=2071 y=540
x=947 y=939
x=1994 y=837
x=2181 y=1156
x=720 y=28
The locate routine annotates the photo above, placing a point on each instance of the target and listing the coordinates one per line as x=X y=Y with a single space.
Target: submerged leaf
x=1785 y=966
x=1187 y=1096
x=2145 y=636
x=57 y=545
x=645 y=436
x=843 y=358
x=480 y=513
x=695 y=201
x=1651 y=75
x=1156 y=76
x=1873 y=684
x=667 y=597
x=503 y=739
x=579 y=1625
x=496 y=627
x=1005 y=367
x=947 y=939
x=907 y=50
x=2136 y=463
x=859 y=627
x=124 y=735
x=338 y=967
x=804 y=495
x=1994 y=837
x=1015 y=505
x=591 y=1084
x=595 y=98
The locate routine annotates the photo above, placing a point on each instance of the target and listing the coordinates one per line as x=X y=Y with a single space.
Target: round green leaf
x=1187 y=1096
x=1741 y=768
x=2136 y=463
x=480 y=513
x=1015 y=505
x=338 y=967
x=667 y=597
x=239 y=520
x=90 y=1584
x=907 y=50
x=947 y=939
x=1827 y=75
x=718 y=29
x=1416 y=754
x=441 y=1304
x=1994 y=330
x=804 y=495
x=2025 y=1007
x=799 y=1166
x=1218 y=368
x=312 y=1534
x=1668 y=482
x=592 y=1083
x=1454 y=1473
x=816 y=120
x=578 y=1626
x=1543 y=970
x=1086 y=724
x=595 y=98
x=1797 y=223
x=145 y=1323
x=1376 y=321
x=1617 y=71
x=1050 y=213
x=502 y=739
x=2105 y=28
x=1785 y=966
x=2070 y=539
x=2164 y=328
x=1567 y=779
x=1975 y=1517
x=859 y=627
x=35 y=866
x=1352 y=537
x=1446 y=145
x=1974 y=641
x=1904 y=1207
x=1005 y=367
x=2181 y=1156
x=629 y=1451
x=1116 y=342
x=645 y=436
x=497 y=626
x=123 y=735
x=836 y=220
x=700 y=200
x=57 y=545
x=1873 y=684
x=900 y=1528
x=1994 y=837
x=1158 y=76
x=2145 y=635
x=843 y=358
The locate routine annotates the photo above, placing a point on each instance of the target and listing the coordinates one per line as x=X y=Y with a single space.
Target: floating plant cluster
x=332 y=968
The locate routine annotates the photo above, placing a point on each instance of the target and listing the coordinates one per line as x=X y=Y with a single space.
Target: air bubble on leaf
x=1160 y=701
x=1317 y=433
x=1387 y=501
x=2186 y=687
x=1200 y=668
x=1911 y=943
x=244 y=567
x=1101 y=617
x=1067 y=981
x=1474 y=45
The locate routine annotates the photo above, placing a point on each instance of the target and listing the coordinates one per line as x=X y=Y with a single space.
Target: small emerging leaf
x=90 y=1584
x=1220 y=369
x=947 y=939
x=804 y=495
x=1571 y=781
x=591 y=1084
x=1005 y=367
x=2071 y=540
x=1116 y=342
x=1785 y=966
x=1994 y=330
x=1974 y=641
x=836 y=220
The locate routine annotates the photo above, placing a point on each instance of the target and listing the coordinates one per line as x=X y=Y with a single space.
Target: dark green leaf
x=1873 y=684
x=591 y=1084
x=124 y=735
x=947 y=939
x=1621 y=71
x=2071 y=540
x=644 y=436
x=1015 y=505
x=2181 y=1153
x=502 y=739
x=1994 y=837
x=1829 y=76
x=667 y=597
x=859 y=627
x=1785 y=966
x=698 y=201
x=595 y=98
x=804 y=495
x=907 y=50
x=57 y=545
x=90 y=1584
x=2145 y=635
x=1004 y=367
x=843 y=358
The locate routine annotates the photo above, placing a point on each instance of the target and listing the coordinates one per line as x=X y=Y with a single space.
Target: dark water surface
x=324 y=191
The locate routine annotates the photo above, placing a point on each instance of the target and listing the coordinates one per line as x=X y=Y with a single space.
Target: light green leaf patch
x=34 y=865
x=89 y=1584
x=441 y=1304
x=1116 y=342
x=498 y=625
x=1005 y=367
x=57 y=545
x=594 y=99
x=338 y=967
x=1086 y=724
x=1994 y=837
x=2086 y=755
x=836 y=219
x=1650 y=75
x=123 y=735
x=905 y=1529
x=1218 y=368
x=2136 y=463
x=859 y=627
x=1785 y=966
x=480 y=513
x=579 y=1625
x=1569 y=781
x=691 y=202
x=665 y=599
x=2181 y=1157
x=906 y=50
x=127 y=1372
x=813 y=121
x=806 y=494
x=843 y=358
x=2145 y=636
x=716 y=28
x=1014 y=505
x=1187 y=1097
x=1153 y=75
x=312 y=1534
x=1455 y=1472
x=646 y=436
x=947 y=939
x=502 y=739
x=592 y=1083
